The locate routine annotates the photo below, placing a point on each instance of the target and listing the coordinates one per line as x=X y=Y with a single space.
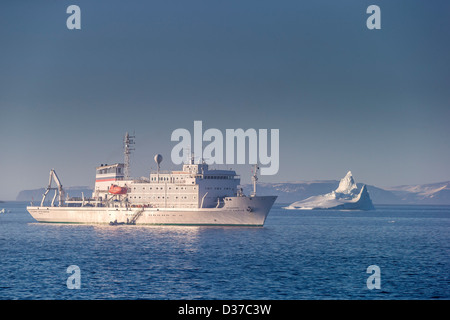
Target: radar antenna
x=128 y=143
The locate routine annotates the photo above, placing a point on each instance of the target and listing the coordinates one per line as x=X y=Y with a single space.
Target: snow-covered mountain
x=289 y=192
x=433 y=193
x=346 y=196
x=295 y=191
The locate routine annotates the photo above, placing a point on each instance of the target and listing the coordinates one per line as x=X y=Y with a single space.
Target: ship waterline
x=250 y=211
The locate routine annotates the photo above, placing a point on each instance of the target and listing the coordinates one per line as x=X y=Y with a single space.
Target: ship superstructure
x=195 y=195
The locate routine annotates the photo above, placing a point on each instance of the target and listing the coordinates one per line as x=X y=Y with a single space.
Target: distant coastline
x=289 y=192
x=36 y=194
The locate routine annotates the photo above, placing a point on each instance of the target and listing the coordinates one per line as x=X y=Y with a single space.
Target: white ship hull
x=241 y=211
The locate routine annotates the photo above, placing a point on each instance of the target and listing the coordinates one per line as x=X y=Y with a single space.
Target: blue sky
x=375 y=102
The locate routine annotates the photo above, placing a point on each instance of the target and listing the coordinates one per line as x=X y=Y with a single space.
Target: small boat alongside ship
x=195 y=195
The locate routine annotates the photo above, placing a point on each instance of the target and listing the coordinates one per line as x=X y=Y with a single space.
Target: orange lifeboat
x=115 y=189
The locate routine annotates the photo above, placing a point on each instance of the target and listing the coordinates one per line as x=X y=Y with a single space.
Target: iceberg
x=345 y=197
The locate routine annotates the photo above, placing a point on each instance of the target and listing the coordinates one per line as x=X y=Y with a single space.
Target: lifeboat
x=115 y=189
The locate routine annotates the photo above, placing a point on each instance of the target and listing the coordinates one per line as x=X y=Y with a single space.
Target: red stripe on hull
x=104 y=180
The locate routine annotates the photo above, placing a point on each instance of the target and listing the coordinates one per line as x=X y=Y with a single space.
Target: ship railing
x=161 y=172
x=141 y=180
x=80 y=199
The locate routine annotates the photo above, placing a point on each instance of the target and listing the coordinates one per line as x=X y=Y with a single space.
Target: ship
x=196 y=195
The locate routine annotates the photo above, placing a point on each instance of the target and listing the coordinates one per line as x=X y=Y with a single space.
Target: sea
x=391 y=253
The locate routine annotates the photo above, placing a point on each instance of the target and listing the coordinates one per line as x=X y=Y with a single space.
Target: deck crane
x=58 y=189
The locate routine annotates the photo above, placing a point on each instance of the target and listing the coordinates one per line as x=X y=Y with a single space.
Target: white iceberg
x=345 y=197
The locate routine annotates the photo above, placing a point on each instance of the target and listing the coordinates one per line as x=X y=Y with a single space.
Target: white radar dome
x=158 y=159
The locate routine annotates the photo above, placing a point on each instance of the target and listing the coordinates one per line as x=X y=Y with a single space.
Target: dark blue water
x=297 y=255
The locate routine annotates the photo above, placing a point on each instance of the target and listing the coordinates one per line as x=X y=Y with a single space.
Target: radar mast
x=128 y=147
x=254 y=179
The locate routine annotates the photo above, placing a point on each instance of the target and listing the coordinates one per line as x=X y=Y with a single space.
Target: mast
x=254 y=179
x=128 y=143
x=158 y=159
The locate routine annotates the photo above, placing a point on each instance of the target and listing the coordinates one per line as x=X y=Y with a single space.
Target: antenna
x=186 y=154
x=254 y=179
x=158 y=159
x=128 y=142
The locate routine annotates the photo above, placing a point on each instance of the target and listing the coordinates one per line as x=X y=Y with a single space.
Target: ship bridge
x=106 y=175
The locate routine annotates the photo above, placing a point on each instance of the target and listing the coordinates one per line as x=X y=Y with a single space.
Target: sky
x=376 y=102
